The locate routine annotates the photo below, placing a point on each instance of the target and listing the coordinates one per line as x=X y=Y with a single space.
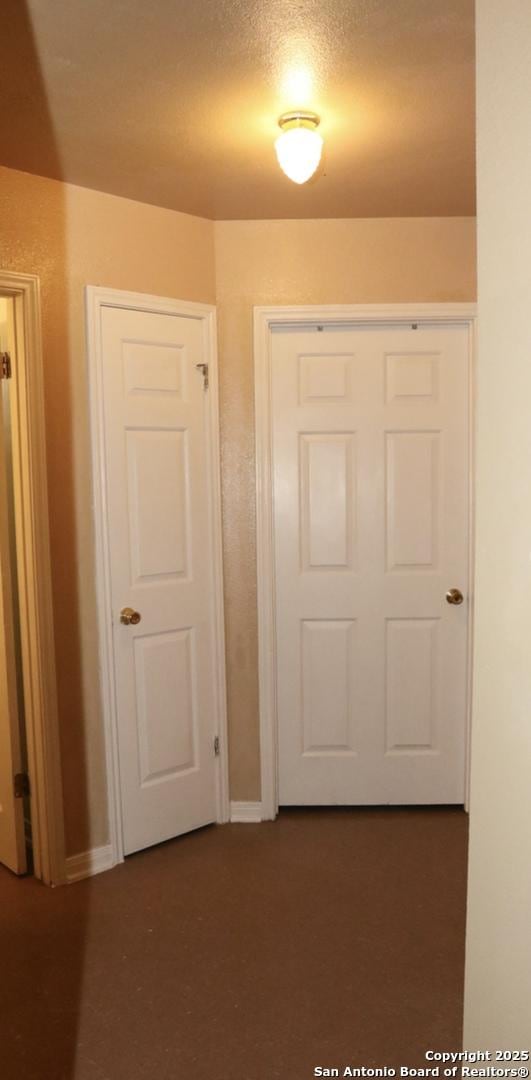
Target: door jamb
x=265 y=318
x=35 y=580
x=98 y=298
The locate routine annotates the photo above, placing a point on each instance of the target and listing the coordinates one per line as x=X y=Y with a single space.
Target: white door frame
x=35 y=581
x=98 y=298
x=265 y=318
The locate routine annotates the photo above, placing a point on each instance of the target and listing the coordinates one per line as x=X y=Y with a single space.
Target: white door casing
x=12 y=839
x=363 y=525
x=34 y=577
x=158 y=528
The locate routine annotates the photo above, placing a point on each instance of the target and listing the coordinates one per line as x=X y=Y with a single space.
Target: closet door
x=161 y=568
x=370 y=448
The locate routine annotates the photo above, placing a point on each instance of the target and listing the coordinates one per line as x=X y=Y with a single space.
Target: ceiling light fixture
x=299 y=146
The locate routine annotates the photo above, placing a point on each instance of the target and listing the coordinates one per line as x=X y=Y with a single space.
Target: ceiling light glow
x=298 y=83
x=299 y=146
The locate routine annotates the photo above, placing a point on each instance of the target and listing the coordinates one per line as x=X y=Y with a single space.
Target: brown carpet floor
x=242 y=952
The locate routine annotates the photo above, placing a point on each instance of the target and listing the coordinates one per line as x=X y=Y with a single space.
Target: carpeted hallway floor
x=243 y=952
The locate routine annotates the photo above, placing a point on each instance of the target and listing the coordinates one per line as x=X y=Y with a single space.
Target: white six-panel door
x=161 y=567
x=370 y=508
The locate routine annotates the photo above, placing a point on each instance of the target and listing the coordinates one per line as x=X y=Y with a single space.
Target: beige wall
x=498 y=978
x=301 y=262
x=71 y=237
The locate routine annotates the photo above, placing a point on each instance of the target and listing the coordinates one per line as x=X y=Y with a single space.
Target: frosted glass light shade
x=299 y=153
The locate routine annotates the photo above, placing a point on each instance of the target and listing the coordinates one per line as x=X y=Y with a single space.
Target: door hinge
x=217 y=749
x=5 y=366
x=204 y=369
x=21 y=785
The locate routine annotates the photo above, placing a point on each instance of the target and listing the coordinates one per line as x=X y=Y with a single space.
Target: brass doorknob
x=454 y=596
x=129 y=616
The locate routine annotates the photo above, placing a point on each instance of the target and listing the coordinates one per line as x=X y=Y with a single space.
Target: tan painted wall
x=71 y=237
x=498 y=978
x=301 y=262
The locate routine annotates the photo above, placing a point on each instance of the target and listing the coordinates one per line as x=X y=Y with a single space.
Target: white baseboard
x=95 y=861
x=248 y=812
x=88 y=863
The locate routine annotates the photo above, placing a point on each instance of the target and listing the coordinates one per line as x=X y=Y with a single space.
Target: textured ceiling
x=175 y=102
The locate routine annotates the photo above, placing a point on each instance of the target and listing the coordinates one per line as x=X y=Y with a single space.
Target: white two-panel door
x=157 y=484
x=371 y=475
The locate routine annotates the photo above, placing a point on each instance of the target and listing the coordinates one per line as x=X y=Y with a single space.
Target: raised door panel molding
x=413 y=497
x=411 y=685
x=150 y=368
x=411 y=377
x=157 y=476
x=325 y=378
x=328 y=649
x=166 y=720
x=327 y=465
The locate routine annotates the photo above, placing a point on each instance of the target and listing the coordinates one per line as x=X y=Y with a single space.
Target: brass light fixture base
x=298 y=118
